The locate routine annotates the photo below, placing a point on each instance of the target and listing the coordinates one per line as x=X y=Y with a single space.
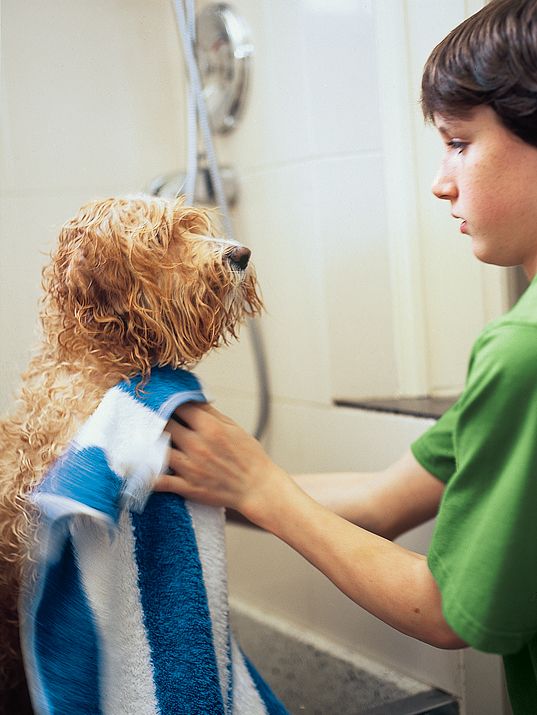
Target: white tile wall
x=277 y=220
x=343 y=88
x=276 y=127
x=352 y=226
x=27 y=230
x=94 y=100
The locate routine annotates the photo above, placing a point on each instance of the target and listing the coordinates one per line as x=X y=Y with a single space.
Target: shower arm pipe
x=203 y=116
x=192 y=120
x=196 y=91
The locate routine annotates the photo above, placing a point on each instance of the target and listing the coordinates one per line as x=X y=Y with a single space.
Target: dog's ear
x=101 y=283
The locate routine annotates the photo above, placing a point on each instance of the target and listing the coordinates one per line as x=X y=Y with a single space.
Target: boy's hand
x=214 y=461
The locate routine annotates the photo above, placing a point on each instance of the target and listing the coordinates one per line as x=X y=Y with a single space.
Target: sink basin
x=313 y=678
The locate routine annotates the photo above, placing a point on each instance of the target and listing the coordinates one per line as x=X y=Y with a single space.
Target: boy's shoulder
x=502 y=374
x=514 y=333
x=525 y=309
x=506 y=353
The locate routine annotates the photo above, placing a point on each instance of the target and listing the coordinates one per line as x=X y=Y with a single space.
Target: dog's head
x=142 y=281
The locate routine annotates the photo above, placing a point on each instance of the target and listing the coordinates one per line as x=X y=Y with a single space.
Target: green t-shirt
x=483 y=553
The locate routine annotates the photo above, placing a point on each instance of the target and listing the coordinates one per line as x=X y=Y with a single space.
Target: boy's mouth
x=463 y=227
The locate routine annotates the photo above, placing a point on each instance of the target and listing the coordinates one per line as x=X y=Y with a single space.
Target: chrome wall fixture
x=171 y=185
x=224 y=54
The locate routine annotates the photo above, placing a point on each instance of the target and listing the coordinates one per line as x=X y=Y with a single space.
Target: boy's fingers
x=178 y=485
x=188 y=458
x=170 y=483
x=186 y=435
x=176 y=431
x=196 y=414
x=174 y=460
x=181 y=463
x=181 y=437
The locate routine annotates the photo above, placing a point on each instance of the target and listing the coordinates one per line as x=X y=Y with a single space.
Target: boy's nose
x=444 y=188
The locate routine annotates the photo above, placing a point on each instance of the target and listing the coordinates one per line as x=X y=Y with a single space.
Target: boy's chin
x=484 y=253
x=493 y=258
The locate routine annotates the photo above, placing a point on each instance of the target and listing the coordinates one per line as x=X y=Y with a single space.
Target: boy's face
x=490 y=177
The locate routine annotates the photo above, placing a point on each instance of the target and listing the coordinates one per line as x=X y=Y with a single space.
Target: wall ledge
x=432 y=407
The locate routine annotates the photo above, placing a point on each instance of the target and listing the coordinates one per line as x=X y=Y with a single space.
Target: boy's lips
x=463 y=228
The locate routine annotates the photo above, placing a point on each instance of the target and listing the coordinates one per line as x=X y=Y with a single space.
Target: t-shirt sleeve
x=434 y=449
x=483 y=554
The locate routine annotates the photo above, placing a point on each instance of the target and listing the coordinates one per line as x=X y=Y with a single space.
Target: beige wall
x=92 y=104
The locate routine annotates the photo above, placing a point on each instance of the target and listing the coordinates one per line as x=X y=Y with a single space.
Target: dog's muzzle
x=239 y=257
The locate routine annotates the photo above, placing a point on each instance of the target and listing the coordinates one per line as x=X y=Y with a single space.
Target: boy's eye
x=457 y=145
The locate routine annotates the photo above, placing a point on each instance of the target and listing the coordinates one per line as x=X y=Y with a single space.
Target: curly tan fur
x=133 y=283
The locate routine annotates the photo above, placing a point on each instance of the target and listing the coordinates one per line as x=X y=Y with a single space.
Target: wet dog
x=134 y=283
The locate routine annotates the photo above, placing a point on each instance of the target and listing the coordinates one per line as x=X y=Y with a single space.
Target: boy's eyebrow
x=444 y=129
x=449 y=126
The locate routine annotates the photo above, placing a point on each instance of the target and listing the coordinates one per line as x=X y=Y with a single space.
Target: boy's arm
x=391 y=582
x=216 y=462
x=387 y=503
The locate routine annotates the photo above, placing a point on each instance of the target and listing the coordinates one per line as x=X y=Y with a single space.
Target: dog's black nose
x=240 y=256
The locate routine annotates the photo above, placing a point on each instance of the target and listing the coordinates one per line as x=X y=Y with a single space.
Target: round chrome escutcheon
x=224 y=52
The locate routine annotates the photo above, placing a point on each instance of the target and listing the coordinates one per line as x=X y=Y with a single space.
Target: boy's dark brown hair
x=489 y=59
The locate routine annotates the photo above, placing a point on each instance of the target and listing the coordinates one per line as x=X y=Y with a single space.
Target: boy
x=477 y=467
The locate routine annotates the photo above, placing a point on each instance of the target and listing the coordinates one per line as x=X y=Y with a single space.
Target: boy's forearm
x=387 y=503
x=351 y=495
x=355 y=496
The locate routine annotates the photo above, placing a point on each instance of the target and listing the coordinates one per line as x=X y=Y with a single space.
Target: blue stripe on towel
x=165 y=382
x=272 y=704
x=175 y=609
x=85 y=476
x=65 y=627
x=229 y=699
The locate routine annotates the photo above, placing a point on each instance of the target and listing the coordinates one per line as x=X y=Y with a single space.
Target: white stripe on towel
x=124 y=427
x=110 y=578
x=246 y=698
x=208 y=523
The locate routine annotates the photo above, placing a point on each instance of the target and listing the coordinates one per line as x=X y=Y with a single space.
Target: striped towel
x=127 y=611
